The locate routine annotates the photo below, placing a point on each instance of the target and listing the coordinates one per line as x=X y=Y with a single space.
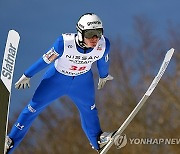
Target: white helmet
x=89 y=25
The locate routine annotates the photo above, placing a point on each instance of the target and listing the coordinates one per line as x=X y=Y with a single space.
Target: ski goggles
x=93 y=32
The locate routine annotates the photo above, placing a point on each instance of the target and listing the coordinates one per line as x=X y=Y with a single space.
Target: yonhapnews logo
x=123 y=140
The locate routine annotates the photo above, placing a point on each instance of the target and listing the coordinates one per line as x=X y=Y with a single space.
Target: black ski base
x=4 y=102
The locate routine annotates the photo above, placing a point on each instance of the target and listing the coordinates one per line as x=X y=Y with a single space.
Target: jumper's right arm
x=50 y=56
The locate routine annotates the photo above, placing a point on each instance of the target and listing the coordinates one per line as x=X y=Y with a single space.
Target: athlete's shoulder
x=59 y=44
x=59 y=39
x=64 y=36
x=107 y=41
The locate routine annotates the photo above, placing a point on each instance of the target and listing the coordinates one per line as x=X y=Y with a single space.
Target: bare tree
x=58 y=129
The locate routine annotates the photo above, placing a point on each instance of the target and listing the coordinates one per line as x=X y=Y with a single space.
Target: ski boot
x=104 y=139
x=9 y=144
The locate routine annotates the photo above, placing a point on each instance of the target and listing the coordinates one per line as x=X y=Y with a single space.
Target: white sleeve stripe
x=47 y=56
x=107 y=58
x=46 y=59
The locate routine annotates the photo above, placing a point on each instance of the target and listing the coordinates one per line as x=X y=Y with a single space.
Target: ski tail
x=6 y=83
x=151 y=88
x=9 y=58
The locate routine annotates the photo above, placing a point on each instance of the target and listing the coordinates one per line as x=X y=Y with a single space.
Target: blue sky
x=40 y=22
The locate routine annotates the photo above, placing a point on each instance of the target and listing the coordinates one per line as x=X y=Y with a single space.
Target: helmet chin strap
x=81 y=43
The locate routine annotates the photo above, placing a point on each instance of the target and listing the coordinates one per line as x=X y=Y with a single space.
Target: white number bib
x=72 y=62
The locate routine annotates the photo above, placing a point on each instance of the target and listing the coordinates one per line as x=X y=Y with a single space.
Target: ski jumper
x=70 y=75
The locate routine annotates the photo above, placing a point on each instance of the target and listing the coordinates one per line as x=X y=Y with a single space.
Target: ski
x=6 y=82
x=151 y=88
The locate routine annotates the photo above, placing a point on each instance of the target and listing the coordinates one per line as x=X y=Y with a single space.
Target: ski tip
x=170 y=53
x=12 y=31
x=172 y=50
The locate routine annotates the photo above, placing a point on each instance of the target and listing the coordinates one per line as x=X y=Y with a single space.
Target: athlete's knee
x=36 y=106
x=32 y=108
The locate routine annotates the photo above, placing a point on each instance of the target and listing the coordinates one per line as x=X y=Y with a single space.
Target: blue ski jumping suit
x=56 y=83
